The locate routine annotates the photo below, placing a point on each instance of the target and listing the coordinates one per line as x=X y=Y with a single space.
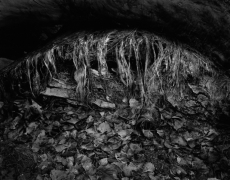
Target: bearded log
x=203 y=25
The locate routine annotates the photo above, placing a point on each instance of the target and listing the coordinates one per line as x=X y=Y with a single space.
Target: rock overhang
x=201 y=25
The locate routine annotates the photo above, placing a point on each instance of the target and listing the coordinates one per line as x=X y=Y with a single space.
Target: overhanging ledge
x=203 y=25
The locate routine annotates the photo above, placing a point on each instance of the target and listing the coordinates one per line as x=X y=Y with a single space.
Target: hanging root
x=141 y=58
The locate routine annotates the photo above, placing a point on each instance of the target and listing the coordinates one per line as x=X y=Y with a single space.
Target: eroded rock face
x=203 y=25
